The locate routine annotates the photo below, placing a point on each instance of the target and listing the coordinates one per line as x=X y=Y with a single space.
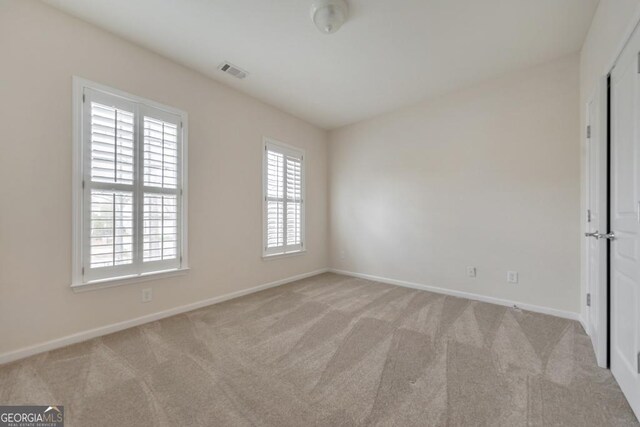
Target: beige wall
x=611 y=26
x=40 y=50
x=485 y=177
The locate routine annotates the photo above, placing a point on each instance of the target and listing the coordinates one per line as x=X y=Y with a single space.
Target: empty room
x=319 y=213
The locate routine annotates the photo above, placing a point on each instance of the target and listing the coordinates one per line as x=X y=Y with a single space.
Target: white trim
x=584 y=326
x=115 y=327
x=460 y=294
x=272 y=257
x=78 y=193
x=597 y=143
x=127 y=280
x=80 y=82
x=76 y=180
x=292 y=149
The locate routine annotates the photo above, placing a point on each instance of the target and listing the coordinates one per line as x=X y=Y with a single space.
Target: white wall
x=485 y=177
x=40 y=50
x=612 y=24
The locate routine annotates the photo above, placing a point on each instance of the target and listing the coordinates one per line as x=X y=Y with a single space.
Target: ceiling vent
x=233 y=70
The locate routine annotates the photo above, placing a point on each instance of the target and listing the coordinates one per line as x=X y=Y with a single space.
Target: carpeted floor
x=332 y=351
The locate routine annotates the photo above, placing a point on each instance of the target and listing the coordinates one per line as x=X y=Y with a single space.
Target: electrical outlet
x=471 y=271
x=512 y=276
x=147 y=295
x=343 y=255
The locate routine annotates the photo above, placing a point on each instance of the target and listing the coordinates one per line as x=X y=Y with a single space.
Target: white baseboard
x=21 y=353
x=584 y=324
x=538 y=309
x=24 y=352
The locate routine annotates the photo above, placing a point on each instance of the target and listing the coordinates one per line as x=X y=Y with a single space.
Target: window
x=129 y=198
x=283 y=199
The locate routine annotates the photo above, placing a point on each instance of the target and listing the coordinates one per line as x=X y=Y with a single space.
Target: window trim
x=78 y=176
x=266 y=253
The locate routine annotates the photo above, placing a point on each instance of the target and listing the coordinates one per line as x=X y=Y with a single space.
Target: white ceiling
x=390 y=53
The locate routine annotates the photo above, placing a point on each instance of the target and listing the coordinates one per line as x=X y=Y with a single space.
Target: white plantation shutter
x=160 y=234
x=132 y=187
x=283 y=188
x=294 y=200
x=160 y=227
x=275 y=199
x=111 y=228
x=111 y=144
x=160 y=153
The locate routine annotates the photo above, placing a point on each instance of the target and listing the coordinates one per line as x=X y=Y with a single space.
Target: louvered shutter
x=275 y=199
x=131 y=188
x=294 y=201
x=109 y=186
x=161 y=190
x=284 y=210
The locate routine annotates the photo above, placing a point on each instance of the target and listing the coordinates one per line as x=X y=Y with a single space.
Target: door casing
x=596 y=220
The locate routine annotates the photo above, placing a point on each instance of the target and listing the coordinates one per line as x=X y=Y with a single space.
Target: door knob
x=594 y=234
x=608 y=236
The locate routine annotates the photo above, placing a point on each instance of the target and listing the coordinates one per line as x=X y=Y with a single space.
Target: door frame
x=602 y=84
x=624 y=366
x=597 y=138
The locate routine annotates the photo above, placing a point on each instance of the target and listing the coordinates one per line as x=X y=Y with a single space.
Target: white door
x=625 y=222
x=596 y=223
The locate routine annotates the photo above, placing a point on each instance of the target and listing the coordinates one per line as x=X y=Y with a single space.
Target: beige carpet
x=332 y=351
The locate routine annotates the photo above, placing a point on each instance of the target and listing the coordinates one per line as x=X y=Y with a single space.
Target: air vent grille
x=233 y=70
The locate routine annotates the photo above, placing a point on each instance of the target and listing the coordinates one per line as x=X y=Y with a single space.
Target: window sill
x=127 y=280
x=271 y=257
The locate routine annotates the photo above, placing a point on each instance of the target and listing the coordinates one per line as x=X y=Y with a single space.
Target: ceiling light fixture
x=329 y=15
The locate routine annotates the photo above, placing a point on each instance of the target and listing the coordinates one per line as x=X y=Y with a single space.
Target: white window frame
x=285 y=250
x=79 y=280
